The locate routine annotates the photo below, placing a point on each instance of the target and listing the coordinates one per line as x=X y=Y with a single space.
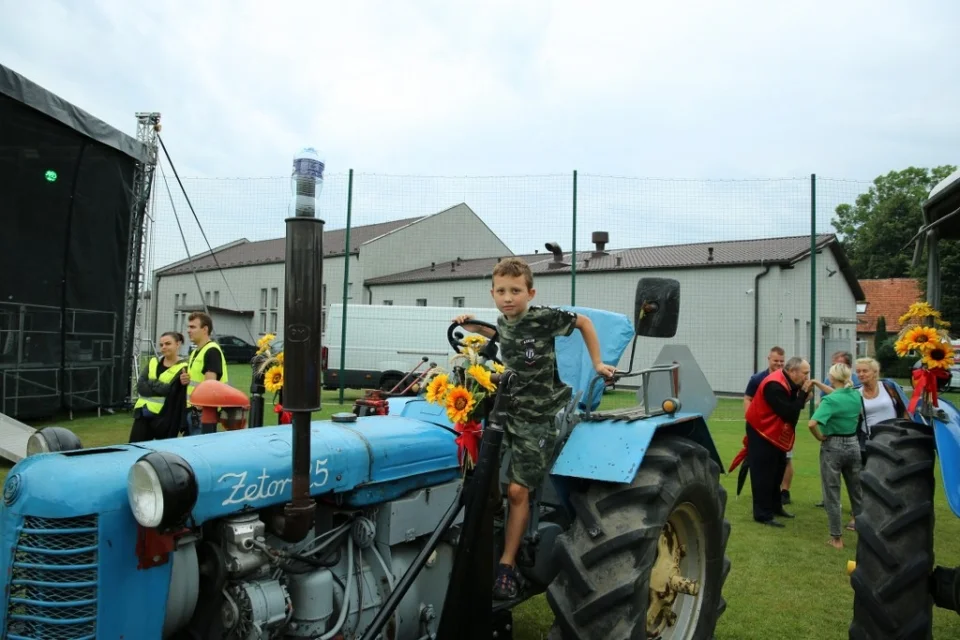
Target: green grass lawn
x=783 y=583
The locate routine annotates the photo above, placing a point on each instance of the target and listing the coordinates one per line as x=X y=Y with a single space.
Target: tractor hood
x=377 y=456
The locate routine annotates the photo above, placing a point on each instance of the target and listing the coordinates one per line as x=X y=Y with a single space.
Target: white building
x=738 y=298
x=244 y=294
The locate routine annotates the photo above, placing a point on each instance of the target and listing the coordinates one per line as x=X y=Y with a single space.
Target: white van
x=385 y=342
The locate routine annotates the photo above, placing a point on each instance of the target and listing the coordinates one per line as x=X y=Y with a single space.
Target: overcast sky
x=700 y=89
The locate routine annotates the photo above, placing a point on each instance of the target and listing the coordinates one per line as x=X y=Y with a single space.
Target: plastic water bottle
x=307 y=181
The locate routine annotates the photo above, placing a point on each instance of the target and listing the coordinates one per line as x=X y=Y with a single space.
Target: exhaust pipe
x=302 y=312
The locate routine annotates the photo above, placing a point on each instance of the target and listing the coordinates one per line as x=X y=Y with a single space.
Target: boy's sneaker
x=505 y=587
x=784 y=496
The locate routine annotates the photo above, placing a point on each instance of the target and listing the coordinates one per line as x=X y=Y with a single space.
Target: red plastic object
x=212 y=396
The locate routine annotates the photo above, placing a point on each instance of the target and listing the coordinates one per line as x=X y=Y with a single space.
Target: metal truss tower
x=135 y=310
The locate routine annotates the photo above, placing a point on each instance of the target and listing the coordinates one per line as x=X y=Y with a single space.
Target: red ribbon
x=285 y=416
x=468 y=440
x=925 y=380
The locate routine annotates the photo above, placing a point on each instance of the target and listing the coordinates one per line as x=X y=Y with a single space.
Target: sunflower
x=459 y=404
x=280 y=358
x=920 y=339
x=437 y=389
x=939 y=355
x=273 y=379
x=482 y=376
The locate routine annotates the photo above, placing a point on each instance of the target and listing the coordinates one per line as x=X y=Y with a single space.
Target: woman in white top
x=880 y=402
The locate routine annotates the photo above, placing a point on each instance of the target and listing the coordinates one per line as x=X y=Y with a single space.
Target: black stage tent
x=66 y=194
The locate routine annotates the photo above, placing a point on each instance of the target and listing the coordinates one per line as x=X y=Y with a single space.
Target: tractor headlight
x=52 y=440
x=162 y=489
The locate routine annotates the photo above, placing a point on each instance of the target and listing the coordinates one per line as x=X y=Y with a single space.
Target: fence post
x=573 y=253
x=813 y=284
x=346 y=285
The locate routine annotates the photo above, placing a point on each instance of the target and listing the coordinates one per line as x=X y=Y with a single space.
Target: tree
x=875 y=228
x=881 y=334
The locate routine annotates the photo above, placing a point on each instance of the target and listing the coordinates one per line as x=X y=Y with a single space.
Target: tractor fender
x=613 y=450
x=946 y=434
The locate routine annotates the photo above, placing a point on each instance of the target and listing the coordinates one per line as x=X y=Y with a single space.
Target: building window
x=388 y=303
x=458 y=301
x=176 y=300
x=421 y=302
x=263 y=298
x=216 y=298
x=263 y=322
x=861 y=307
x=207 y=298
x=273 y=322
x=274 y=297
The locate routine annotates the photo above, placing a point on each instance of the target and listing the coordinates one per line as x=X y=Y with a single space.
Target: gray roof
x=783 y=251
x=244 y=253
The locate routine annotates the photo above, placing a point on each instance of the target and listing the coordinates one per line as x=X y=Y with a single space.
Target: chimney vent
x=433 y=266
x=557 y=262
x=600 y=239
x=709 y=254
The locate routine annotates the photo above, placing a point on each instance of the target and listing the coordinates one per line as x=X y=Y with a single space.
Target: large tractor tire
x=892 y=597
x=646 y=559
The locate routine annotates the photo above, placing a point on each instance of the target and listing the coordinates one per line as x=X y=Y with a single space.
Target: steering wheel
x=489 y=350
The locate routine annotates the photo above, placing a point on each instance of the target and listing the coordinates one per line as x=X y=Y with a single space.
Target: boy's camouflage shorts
x=531 y=447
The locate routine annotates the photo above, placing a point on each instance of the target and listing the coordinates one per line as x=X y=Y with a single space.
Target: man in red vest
x=771 y=430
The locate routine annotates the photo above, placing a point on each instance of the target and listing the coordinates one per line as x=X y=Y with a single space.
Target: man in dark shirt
x=771 y=420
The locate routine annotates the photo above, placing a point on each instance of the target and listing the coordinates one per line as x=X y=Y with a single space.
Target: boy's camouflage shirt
x=527 y=348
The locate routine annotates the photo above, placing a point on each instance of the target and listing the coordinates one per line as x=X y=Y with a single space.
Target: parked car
x=236 y=349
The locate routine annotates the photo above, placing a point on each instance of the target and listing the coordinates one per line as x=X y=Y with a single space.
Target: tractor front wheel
x=891 y=582
x=646 y=559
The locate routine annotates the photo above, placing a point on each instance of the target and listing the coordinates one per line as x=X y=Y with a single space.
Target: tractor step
x=945 y=588
x=626 y=414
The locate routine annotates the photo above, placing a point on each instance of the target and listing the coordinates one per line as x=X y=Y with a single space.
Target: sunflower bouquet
x=924 y=334
x=270 y=366
x=462 y=391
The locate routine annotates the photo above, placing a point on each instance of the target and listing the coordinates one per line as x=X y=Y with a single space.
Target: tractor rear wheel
x=891 y=582
x=646 y=559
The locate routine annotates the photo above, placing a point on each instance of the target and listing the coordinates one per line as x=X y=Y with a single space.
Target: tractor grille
x=53 y=580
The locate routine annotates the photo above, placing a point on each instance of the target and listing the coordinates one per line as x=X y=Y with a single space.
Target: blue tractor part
x=894 y=579
x=367 y=527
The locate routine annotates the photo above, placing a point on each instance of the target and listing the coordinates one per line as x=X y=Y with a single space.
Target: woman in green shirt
x=834 y=424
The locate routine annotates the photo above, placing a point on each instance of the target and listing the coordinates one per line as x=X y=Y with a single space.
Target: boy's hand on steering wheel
x=605 y=369
x=462 y=319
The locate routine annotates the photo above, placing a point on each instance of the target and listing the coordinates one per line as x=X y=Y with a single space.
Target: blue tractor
x=368 y=527
x=894 y=579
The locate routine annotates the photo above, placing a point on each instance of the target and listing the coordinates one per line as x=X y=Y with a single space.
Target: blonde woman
x=881 y=401
x=834 y=424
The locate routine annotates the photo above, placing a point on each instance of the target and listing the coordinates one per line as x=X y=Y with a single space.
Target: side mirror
x=657 y=307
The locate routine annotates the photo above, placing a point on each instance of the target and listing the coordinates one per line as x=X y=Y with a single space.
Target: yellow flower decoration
x=437 y=389
x=273 y=379
x=939 y=355
x=921 y=311
x=482 y=376
x=459 y=405
x=280 y=358
x=499 y=368
x=475 y=342
x=263 y=344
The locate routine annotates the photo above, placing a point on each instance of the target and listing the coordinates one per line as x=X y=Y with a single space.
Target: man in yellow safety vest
x=206 y=362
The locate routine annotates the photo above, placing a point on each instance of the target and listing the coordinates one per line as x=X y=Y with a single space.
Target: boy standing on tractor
x=526 y=336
